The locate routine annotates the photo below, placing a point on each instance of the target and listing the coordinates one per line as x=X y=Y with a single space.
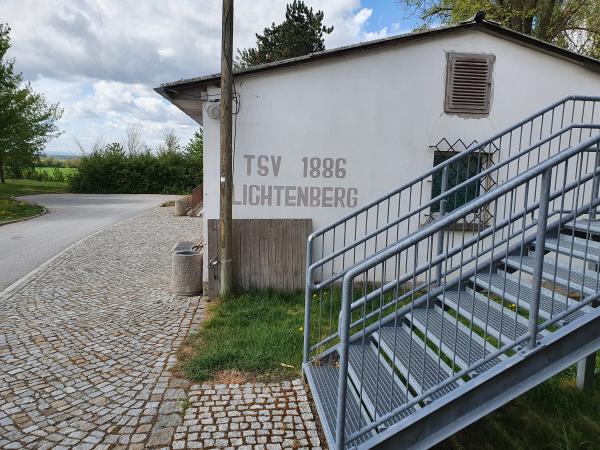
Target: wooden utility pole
x=225 y=223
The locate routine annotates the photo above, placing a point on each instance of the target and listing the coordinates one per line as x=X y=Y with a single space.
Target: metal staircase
x=420 y=319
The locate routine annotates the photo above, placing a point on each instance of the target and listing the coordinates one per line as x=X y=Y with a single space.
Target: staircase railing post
x=440 y=236
x=596 y=182
x=343 y=348
x=307 y=302
x=540 y=243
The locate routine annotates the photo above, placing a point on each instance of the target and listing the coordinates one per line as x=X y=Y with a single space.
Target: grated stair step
x=580 y=248
x=492 y=318
x=418 y=364
x=381 y=391
x=462 y=345
x=323 y=380
x=572 y=278
x=584 y=226
x=519 y=292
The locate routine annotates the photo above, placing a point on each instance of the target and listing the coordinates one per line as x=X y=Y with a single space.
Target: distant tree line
x=130 y=167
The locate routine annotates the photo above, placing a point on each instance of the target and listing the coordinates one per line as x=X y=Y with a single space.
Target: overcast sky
x=101 y=58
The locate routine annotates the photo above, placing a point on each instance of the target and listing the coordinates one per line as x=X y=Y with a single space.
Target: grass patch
x=14 y=210
x=254 y=333
x=552 y=416
x=28 y=187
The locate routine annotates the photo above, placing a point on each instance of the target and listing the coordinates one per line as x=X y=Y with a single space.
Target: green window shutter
x=458 y=172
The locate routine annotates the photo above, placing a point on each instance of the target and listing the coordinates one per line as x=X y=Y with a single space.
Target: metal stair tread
x=581 y=225
x=325 y=388
x=414 y=359
x=378 y=381
x=573 y=277
x=457 y=341
x=502 y=323
x=519 y=292
x=579 y=248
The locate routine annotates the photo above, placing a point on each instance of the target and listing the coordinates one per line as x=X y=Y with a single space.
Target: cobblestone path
x=256 y=416
x=86 y=342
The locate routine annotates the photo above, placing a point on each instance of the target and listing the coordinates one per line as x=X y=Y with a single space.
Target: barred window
x=458 y=172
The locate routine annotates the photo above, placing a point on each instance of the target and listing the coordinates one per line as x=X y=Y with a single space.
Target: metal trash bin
x=186 y=278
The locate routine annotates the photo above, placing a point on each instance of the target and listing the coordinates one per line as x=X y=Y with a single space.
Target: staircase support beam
x=585 y=372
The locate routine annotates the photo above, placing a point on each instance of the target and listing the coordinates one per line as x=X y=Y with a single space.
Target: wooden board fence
x=267 y=254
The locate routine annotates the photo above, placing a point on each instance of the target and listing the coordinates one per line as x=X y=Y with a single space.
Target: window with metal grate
x=469 y=83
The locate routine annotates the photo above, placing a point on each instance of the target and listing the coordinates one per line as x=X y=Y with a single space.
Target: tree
x=299 y=34
x=194 y=150
x=133 y=139
x=171 y=145
x=27 y=120
x=195 y=147
x=572 y=24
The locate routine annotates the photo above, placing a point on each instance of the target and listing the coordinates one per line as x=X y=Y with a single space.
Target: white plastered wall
x=378 y=111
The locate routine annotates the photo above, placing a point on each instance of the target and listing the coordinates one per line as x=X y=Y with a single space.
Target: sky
x=101 y=59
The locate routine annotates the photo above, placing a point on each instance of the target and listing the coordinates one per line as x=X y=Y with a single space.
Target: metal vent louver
x=469 y=82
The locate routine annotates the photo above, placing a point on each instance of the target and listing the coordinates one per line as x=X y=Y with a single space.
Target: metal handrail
x=436 y=200
x=345 y=249
x=448 y=162
x=543 y=169
x=470 y=207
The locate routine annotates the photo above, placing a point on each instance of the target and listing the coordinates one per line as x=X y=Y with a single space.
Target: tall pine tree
x=299 y=34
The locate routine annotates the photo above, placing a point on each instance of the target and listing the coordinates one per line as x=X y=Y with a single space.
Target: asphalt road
x=70 y=217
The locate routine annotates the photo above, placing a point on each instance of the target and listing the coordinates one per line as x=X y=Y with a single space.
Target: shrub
x=111 y=170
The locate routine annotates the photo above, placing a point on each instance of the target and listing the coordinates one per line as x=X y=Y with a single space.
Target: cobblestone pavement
x=86 y=347
x=249 y=416
x=86 y=342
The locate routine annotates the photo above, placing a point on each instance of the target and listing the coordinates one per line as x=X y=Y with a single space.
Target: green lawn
x=552 y=416
x=13 y=210
x=254 y=333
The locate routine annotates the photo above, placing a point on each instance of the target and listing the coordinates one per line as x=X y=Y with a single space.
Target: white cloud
x=362 y=16
x=101 y=58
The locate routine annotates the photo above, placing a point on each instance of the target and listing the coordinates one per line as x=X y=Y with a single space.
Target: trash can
x=181 y=207
x=186 y=276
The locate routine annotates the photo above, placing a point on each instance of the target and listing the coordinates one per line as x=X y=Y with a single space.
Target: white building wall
x=377 y=113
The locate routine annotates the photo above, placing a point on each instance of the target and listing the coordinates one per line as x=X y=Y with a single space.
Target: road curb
x=45 y=210
x=14 y=287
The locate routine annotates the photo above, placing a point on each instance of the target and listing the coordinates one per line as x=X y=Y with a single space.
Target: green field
x=66 y=171
x=14 y=210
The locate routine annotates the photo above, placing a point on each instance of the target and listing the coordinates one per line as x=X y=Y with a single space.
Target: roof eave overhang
x=187 y=99
x=185 y=94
